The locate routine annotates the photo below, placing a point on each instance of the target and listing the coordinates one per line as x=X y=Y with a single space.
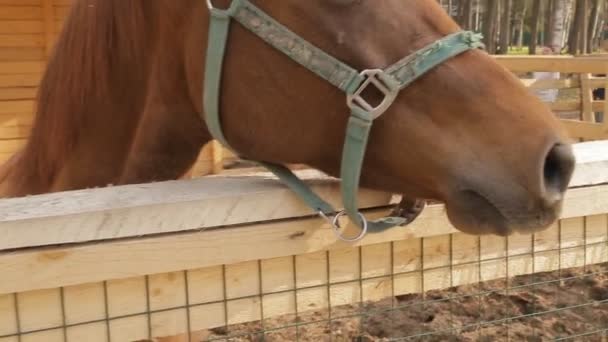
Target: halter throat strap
x=388 y=81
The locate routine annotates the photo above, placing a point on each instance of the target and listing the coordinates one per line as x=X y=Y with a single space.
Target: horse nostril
x=557 y=171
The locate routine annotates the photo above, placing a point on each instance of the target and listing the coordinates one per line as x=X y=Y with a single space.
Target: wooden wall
x=27 y=32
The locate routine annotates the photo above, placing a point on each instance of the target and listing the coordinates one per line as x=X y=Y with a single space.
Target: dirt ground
x=531 y=308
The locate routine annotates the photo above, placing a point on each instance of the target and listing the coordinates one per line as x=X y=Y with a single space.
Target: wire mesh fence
x=454 y=287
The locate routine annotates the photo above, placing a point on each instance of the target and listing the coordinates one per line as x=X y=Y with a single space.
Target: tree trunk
x=570 y=12
x=535 y=24
x=477 y=14
x=489 y=25
x=467 y=14
x=548 y=23
x=593 y=22
x=522 y=22
x=574 y=43
x=450 y=7
x=505 y=26
x=555 y=34
x=584 y=39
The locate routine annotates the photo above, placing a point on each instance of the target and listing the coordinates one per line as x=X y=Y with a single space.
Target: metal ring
x=335 y=226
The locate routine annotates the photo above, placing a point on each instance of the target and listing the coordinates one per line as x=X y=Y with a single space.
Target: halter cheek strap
x=389 y=82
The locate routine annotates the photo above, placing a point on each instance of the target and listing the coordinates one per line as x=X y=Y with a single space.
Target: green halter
x=389 y=81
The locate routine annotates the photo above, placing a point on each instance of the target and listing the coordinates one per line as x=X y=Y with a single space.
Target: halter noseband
x=389 y=82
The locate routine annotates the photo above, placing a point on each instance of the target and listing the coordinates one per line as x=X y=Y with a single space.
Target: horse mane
x=100 y=38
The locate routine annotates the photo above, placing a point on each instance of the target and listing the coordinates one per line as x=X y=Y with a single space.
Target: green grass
x=513 y=50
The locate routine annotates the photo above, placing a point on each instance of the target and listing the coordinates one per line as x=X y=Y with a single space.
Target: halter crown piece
x=388 y=81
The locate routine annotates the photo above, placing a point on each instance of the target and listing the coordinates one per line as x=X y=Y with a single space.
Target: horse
x=121 y=102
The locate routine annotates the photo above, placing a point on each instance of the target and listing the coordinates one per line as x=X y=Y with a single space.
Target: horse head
x=467 y=132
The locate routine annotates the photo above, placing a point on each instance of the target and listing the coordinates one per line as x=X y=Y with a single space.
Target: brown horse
x=121 y=98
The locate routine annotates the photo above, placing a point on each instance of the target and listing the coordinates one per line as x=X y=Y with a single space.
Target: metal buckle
x=223 y=13
x=372 y=76
x=335 y=225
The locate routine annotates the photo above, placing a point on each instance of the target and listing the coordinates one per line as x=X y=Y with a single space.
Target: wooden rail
x=162 y=259
x=578 y=73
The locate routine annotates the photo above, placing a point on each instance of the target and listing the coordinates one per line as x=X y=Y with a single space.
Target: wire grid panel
x=393 y=290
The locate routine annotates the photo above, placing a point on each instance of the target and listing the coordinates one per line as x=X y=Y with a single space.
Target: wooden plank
x=21 y=26
x=11 y=145
x=84 y=303
x=550 y=84
x=587 y=114
x=17 y=107
x=586 y=130
x=8 y=316
x=571 y=106
x=177 y=205
x=566 y=64
x=18 y=93
x=591 y=163
x=596 y=239
x=64 y=266
x=16 y=119
x=48 y=11
x=20 y=2
x=29 y=67
x=15 y=132
x=218 y=156
x=19 y=80
x=21 y=54
x=55 y=335
x=39 y=309
x=21 y=40
x=597 y=82
x=93 y=332
x=165 y=207
x=21 y=13
x=565 y=106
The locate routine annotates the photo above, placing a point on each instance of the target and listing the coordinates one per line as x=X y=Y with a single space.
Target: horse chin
x=473 y=213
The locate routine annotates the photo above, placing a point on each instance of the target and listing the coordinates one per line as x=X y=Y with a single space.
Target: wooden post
x=217 y=153
x=593 y=24
x=49 y=26
x=587 y=113
x=505 y=25
x=535 y=23
x=489 y=25
x=585 y=29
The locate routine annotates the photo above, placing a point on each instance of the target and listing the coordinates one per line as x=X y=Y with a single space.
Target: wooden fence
x=582 y=74
x=140 y=262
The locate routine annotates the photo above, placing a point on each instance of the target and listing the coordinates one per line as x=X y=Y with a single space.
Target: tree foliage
x=564 y=26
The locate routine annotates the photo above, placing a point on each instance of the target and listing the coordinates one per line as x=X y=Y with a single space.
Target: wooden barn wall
x=28 y=29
